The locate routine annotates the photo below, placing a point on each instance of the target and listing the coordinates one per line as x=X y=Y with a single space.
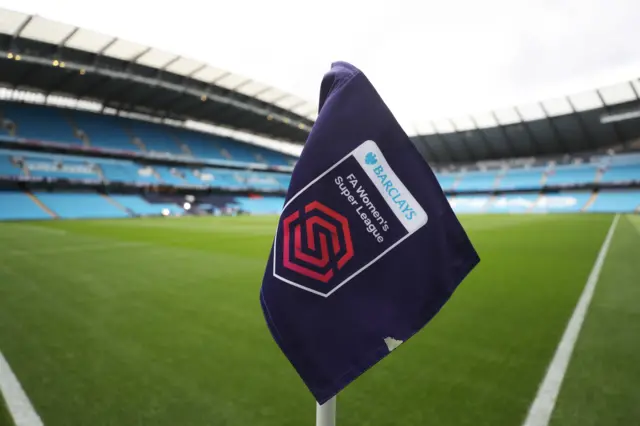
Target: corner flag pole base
x=326 y=413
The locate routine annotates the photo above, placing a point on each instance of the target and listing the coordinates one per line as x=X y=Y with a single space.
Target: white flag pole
x=326 y=413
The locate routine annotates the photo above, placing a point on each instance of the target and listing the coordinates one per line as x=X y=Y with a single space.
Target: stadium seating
x=154 y=137
x=621 y=173
x=571 y=175
x=260 y=205
x=18 y=206
x=59 y=168
x=7 y=167
x=38 y=122
x=446 y=181
x=519 y=178
x=477 y=181
x=104 y=131
x=627 y=201
x=140 y=206
x=80 y=205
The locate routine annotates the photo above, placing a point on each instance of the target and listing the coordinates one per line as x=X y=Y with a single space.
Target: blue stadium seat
x=155 y=137
x=41 y=123
x=140 y=206
x=570 y=175
x=625 y=173
x=624 y=201
x=18 y=206
x=7 y=168
x=83 y=205
x=522 y=179
x=60 y=168
x=104 y=131
x=262 y=205
x=477 y=181
x=169 y=177
x=446 y=181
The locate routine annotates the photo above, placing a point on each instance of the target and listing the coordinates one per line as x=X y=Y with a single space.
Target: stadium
x=139 y=194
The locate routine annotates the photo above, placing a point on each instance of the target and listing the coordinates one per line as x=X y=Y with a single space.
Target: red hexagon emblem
x=319 y=247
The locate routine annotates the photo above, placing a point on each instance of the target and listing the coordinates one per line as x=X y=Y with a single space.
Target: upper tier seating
x=114 y=132
x=571 y=175
x=39 y=122
x=477 y=181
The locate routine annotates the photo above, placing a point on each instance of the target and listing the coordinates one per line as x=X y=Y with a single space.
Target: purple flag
x=367 y=248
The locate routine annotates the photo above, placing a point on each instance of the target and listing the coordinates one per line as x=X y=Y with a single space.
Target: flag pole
x=326 y=413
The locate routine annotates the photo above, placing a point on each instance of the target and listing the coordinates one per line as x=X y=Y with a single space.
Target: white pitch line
x=545 y=401
x=18 y=403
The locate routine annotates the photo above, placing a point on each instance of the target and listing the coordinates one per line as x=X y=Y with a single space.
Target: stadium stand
x=261 y=205
x=19 y=206
x=113 y=132
x=37 y=122
x=522 y=179
x=616 y=201
x=140 y=206
x=80 y=205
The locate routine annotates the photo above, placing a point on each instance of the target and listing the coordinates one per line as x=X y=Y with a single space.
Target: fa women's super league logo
x=317 y=242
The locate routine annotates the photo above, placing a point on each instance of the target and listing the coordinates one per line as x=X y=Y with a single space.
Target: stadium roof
x=39 y=53
x=594 y=120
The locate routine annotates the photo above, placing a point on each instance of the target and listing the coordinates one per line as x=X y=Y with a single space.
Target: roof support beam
x=616 y=131
x=509 y=142
x=556 y=133
x=492 y=152
x=583 y=127
x=532 y=136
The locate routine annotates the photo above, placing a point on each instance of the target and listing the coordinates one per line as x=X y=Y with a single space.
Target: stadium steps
x=8 y=125
x=226 y=154
x=139 y=143
x=117 y=204
x=499 y=176
x=40 y=204
x=183 y=146
x=488 y=203
x=543 y=178
x=98 y=169
x=134 y=139
x=590 y=201
x=77 y=131
x=599 y=174
x=457 y=182
x=535 y=204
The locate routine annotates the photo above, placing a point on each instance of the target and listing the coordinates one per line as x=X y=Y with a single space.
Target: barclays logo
x=370 y=158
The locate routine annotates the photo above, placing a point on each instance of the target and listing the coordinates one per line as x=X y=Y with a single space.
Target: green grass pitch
x=157 y=322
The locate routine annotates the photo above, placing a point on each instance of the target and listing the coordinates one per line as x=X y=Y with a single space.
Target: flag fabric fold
x=367 y=248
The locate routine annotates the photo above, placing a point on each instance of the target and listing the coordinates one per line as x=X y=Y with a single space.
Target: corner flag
x=367 y=248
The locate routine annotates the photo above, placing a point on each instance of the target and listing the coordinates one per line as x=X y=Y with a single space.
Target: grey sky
x=429 y=59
